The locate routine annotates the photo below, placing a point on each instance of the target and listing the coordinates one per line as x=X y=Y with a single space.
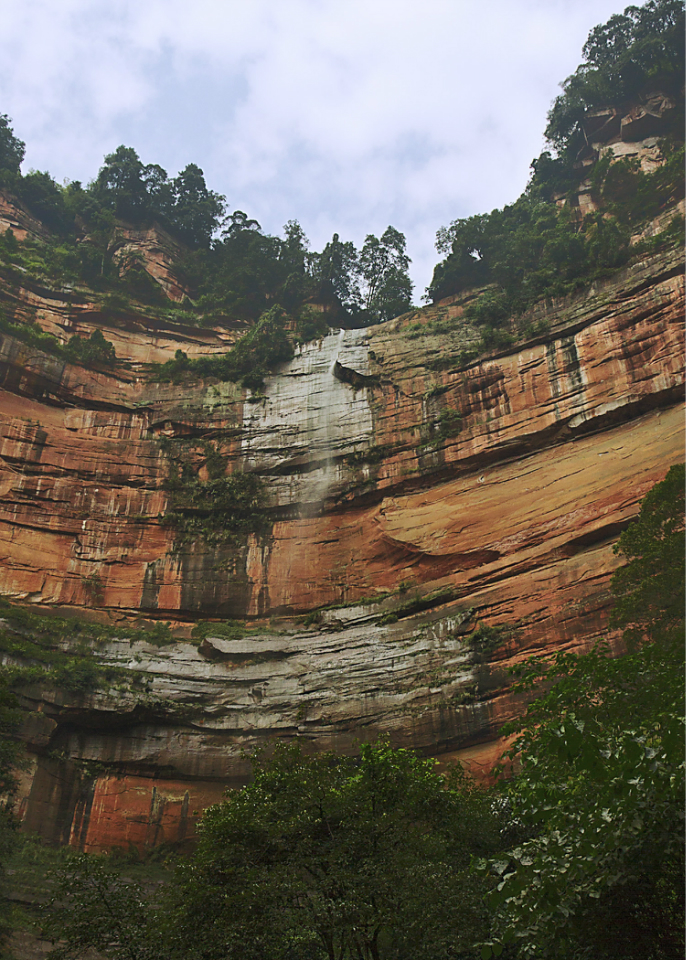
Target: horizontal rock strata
x=415 y=492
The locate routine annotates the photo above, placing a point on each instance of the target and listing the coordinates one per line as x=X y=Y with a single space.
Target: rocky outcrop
x=158 y=253
x=413 y=491
x=15 y=216
x=631 y=131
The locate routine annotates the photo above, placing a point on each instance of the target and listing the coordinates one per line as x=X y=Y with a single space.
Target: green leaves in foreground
x=336 y=857
x=600 y=783
x=319 y=858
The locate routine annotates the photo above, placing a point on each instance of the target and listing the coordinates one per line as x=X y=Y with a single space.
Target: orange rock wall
x=392 y=467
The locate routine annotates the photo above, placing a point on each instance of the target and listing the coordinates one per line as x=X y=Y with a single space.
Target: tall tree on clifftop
x=383 y=268
x=12 y=149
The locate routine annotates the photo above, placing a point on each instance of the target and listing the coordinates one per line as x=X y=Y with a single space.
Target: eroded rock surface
x=413 y=491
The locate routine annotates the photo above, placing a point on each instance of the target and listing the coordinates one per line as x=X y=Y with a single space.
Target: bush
x=265 y=345
x=95 y=350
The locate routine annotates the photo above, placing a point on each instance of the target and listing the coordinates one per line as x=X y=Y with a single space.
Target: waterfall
x=308 y=420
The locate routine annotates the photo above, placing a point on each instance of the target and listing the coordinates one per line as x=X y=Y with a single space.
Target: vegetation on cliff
x=600 y=772
x=635 y=52
x=543 y=245
x=219 y=509
x=230 y=266
x=265 y=345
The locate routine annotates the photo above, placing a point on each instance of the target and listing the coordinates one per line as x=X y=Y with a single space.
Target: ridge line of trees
x=232 y=267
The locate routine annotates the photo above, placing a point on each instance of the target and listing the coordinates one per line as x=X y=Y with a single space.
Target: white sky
x=347 y=115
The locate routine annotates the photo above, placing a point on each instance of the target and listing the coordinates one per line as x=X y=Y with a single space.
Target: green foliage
x=44 y=262
x=248 y=270
x=650 y=588
x=32 y=335
x=531 y=250
x=241 y=275
x=311 y=325
x=336 y=270
x=528 y=251
x=95 y=349
x=124 y=188
x=334 y=857
x=319 y=858
x=158 y=635
x=633 y=196
x=256 y=354
x=226 y=629
x=62 y=652
x=86 y=351
x=419 y=604
x=12 y=149
x=639 y=50
x=140 y=193
x=97 y=908
x=484 y=638
x=11 y=761
x=221 y=509
x=449 y=423
x=386 y=285
x=52 y=651
x=601 y=773
x=46 y=200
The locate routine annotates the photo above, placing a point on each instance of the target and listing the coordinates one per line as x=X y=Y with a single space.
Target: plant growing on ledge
x=249 y=361
x=96 y=349
x=221 y=509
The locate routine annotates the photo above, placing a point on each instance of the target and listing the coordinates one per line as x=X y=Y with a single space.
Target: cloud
x=347 y=116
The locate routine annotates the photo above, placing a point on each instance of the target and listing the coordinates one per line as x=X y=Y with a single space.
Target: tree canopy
x=321 y=857
x=12 y=149
x=531 y=248
x=638 y=51
x=137 y=191
x=233 y=268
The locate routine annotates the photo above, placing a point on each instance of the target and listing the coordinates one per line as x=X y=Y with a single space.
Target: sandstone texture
x=412 y=494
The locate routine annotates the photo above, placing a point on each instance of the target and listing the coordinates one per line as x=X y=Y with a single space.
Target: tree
x=386 y=285
x=11 y=760
x=294 y=260
x=124 y=184
x=139 y=192
x=650 y=588
x=334 y=857
x=601 y=773
x=94 y=349
x=336 y=269
x=318 y=858
x=96 y=908
x=46 y=200
x=12 y=149
x=193 y=212
x=641 y=50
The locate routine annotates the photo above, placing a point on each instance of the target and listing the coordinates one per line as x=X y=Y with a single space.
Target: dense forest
x=577 y=851
x=230 y=265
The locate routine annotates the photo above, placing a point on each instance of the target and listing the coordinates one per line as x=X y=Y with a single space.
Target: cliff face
x=415 y=492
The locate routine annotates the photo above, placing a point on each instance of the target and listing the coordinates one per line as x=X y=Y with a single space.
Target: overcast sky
x=347 y=115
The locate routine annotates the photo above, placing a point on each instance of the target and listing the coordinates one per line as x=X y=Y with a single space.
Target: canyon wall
x=414 y=491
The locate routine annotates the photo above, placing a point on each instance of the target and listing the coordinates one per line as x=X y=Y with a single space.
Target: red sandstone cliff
x=491 y=491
